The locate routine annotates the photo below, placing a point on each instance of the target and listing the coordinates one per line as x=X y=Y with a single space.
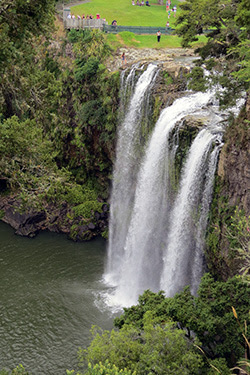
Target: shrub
x=87 y=209
x=197 y=80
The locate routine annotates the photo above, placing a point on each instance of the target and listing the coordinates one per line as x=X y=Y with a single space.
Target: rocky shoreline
x=53 y=218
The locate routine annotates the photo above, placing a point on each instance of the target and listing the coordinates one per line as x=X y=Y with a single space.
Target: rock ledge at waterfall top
x=171 y=58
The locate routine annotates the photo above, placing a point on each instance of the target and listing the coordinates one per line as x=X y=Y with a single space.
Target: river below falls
x=50 y=296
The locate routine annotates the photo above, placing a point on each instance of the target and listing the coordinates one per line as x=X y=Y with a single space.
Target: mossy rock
x=80 y=232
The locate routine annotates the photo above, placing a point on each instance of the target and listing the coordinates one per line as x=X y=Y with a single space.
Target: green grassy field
x=126 y=14
x=148 y=41
x=143 y=41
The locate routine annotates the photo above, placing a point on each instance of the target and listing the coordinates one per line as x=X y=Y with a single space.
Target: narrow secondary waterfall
x=180 y=252
x=157 y=230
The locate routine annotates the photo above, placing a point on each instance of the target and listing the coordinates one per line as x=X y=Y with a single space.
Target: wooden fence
x=70 y=23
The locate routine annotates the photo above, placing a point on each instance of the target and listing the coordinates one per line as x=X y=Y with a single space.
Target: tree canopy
x=179 y=335
x=226 y=24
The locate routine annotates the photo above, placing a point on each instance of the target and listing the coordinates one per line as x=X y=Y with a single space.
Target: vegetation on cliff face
x=58 y=119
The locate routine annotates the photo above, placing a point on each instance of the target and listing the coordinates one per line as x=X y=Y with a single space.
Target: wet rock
x=105 y=208
x=53 y=219
x=91 y=226
x=25 y=224
x=3 y=184
x=97 y=215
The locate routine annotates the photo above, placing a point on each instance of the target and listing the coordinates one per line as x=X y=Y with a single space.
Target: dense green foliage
x=226 y=26
x=19 y=370
x=224 y=21
x=22 y=22
x=95 y=98
x=209 y=314
x=57 y=116
x=103 y=369
x=158 y=348
x=180 y=335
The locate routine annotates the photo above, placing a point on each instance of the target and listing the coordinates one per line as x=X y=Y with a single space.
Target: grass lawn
x=126 y=14
x=148 y=41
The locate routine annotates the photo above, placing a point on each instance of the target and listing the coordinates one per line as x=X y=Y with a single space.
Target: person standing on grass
x=158 y=35
x=174 y=10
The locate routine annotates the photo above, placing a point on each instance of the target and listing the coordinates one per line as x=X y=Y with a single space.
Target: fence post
x=66 y=12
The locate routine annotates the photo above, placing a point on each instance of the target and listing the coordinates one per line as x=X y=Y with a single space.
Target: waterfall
x=126 y=166
x=180 y=253
x=198 y=258
x=157 y=232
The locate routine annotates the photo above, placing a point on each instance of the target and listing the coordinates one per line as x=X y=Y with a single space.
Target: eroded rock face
x=25 y=224
x=234 y=185
x=234 y=166
x=55 y=219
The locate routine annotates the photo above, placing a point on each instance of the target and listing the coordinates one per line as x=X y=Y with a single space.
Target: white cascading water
x=180 y=252
x=157 y=236
x=125 y=172
x=198 y=258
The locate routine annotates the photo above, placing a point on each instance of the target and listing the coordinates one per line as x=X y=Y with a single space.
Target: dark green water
x=50 y=295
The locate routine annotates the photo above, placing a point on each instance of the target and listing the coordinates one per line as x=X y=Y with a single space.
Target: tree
x=242 y=53
x=19 y=370
x=238 y=234
x=22 y=19
x=158 y=348
x=224 y=22
x=103 y=369
x=21 y=23
x=209 y=315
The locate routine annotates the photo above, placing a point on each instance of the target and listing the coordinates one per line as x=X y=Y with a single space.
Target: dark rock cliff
x=234 y=162
x=228 y=239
